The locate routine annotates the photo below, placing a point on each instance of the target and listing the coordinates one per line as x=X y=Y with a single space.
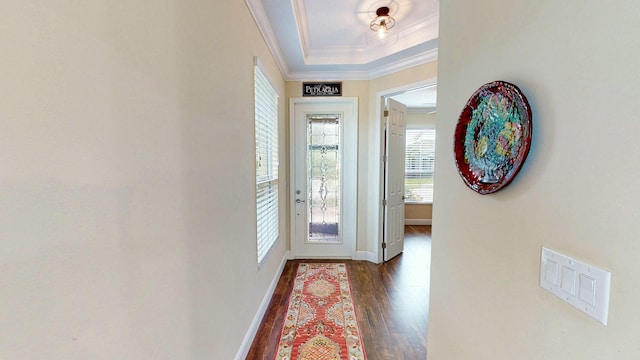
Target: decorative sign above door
x=321 y=89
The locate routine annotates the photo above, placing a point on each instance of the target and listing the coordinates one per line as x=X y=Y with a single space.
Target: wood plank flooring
x=391 y=299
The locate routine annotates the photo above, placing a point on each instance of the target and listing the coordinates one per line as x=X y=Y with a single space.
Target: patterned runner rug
x=321 y=323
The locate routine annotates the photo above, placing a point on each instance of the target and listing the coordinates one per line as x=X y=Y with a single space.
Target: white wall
x=576 y=62
x=127 y=209
x=421 y=120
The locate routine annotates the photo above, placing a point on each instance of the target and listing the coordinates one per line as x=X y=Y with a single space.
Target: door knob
x=298 y=201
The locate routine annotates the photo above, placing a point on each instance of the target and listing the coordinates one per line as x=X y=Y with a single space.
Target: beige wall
x=127 y=216
x=577 y=193
x=418 y=214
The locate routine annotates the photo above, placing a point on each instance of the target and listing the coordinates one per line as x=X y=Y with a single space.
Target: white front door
x=323 y=177
x=394 y=179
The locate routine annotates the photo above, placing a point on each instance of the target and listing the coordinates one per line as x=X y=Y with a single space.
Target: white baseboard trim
x=366 y=255
x=257 y=319
x=417 y=221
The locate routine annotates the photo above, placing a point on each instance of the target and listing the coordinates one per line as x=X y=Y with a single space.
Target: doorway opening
x=417 y=158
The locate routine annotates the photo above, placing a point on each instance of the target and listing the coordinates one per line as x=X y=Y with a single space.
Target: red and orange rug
x=321 y=323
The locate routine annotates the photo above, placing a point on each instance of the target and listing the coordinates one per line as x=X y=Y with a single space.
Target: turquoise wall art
x=492 y=137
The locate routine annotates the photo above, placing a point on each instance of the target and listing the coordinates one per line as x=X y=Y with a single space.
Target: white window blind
x=266 y=133
x=420 y=157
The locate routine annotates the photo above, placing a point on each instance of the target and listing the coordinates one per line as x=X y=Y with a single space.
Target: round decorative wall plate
x=493 y=137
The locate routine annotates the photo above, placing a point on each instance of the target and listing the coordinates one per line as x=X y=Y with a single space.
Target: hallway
x=392 y=302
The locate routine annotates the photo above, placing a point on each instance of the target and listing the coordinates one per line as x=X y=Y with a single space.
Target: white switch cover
x=584 y=286
x=568 y=280
x=551 y=272
x=587 y=292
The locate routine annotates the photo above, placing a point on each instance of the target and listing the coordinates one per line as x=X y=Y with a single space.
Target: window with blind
x=266 y=133
x=419 y=160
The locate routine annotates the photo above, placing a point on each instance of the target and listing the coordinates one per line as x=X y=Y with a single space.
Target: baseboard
x=417 y=221
x=366 y=255
x=257 y=319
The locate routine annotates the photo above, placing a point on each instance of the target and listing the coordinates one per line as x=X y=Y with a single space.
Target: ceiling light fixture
x=383 y=22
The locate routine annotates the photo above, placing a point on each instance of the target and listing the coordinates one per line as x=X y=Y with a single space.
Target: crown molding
x=300 y=17
x=406 y=37
x=260 y=17
x=262 y=22
x=426 y=57
x=375 y=73
x=327 y=75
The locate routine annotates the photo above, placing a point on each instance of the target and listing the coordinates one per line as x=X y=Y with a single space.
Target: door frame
x=376 y=164
x=350 y=173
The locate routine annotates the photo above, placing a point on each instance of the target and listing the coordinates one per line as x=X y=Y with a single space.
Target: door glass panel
x=323 y=178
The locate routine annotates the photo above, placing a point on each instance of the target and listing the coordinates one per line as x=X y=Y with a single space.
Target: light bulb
x=383 y=30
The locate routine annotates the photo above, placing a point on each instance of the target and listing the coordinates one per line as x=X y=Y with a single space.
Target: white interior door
x=323 y=177
x=393 y=242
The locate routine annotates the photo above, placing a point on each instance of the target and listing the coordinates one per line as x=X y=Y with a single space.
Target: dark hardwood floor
x=391 y=299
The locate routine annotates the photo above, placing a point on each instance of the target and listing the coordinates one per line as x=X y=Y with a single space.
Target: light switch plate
x=584 y=286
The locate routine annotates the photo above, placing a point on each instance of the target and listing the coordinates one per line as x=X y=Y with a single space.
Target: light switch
x=551 y=272
x=587 y=292
x=577 y=283
x=568 y=280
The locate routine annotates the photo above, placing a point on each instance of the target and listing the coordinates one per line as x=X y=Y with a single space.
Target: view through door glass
x=323 y=178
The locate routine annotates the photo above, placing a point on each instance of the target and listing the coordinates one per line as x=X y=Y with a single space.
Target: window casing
x=419 y=163
x=266 y=135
